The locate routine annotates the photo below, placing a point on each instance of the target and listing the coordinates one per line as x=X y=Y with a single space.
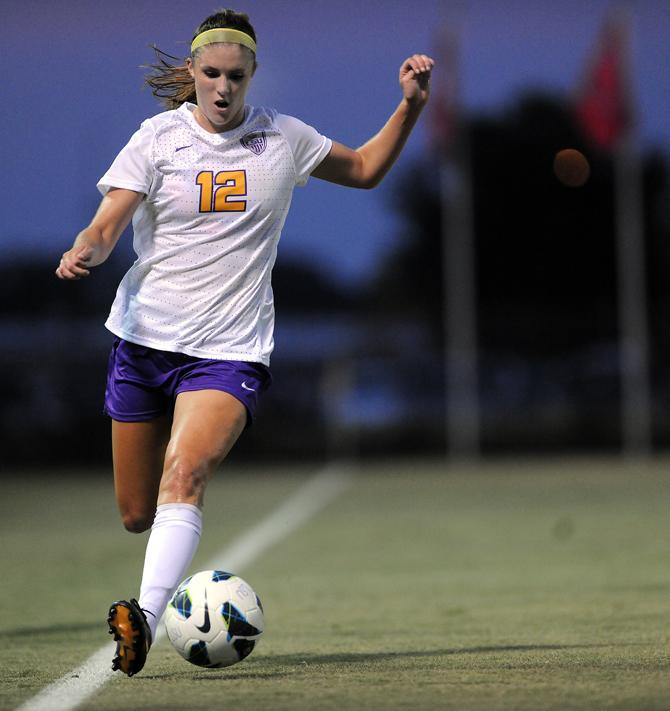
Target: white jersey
x=206 y=234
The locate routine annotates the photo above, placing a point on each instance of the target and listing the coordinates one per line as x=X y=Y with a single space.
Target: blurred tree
x=546 y=260
x=545 y=252
x=53 y=356
x=29 y=289
x=545 y=270
x=300 y=288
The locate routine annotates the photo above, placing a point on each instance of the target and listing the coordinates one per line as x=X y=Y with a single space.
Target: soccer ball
x=214 y=619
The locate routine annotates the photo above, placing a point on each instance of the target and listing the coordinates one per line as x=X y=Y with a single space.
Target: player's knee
x=185 y=478
x=137 y=521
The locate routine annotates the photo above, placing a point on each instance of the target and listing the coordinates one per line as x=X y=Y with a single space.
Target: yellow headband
x=223 y=35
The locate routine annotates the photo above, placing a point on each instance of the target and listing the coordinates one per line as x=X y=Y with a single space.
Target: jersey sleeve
x=132 y=168
x=308 y=146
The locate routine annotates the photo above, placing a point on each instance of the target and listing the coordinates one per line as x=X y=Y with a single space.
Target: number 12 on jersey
x=223 y=192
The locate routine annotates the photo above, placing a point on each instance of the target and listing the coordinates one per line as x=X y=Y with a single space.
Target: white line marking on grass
x=314 y=495
x=76 y=686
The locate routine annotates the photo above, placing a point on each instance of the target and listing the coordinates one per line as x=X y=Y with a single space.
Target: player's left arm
x=367 y=165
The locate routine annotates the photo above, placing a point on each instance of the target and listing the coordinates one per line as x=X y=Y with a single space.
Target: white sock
x=173 y=541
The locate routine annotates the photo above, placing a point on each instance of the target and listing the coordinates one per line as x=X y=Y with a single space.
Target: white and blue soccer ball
x=214 y=619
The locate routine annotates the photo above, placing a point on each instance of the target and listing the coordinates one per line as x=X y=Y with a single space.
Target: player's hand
x=415 y=78
x=75 y=263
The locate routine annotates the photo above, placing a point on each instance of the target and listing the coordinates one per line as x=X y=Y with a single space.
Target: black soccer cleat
x=128 y=623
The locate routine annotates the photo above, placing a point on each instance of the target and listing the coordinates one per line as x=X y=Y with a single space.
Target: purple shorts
x=143 y=383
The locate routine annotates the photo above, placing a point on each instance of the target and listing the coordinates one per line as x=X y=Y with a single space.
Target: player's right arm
x=95 y=243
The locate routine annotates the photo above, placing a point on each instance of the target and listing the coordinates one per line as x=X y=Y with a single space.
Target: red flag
x=603 y=105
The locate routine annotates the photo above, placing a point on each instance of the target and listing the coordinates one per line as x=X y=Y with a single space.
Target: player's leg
x=138 y=453
x=206 y=424
x=140 y=410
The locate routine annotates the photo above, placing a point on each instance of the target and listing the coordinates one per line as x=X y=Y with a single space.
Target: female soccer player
x=208 y=185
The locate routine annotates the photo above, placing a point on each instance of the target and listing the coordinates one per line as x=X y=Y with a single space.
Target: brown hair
x=172 y=83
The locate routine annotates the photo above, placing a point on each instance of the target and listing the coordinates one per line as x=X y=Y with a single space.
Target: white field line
x=76 y=686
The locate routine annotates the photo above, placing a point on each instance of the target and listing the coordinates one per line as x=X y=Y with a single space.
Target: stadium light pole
x=461 y=367
x=460 y=309
x=605 y=109
x=636 y=410
x=636 y=421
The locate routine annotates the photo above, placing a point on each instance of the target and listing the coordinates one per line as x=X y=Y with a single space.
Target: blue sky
x=73 y=96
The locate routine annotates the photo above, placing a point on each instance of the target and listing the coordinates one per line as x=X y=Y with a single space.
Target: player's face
x=222 y=74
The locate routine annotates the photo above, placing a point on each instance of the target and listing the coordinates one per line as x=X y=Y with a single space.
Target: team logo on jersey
x=256 y=142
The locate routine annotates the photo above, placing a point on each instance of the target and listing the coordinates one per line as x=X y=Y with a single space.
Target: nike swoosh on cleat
x=205 y=626
x=181 y=148
x=246 y=387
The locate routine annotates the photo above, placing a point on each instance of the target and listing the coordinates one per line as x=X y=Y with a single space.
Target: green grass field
x=525 y=585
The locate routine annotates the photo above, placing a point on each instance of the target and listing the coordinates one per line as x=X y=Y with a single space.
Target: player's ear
x=189 y=66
